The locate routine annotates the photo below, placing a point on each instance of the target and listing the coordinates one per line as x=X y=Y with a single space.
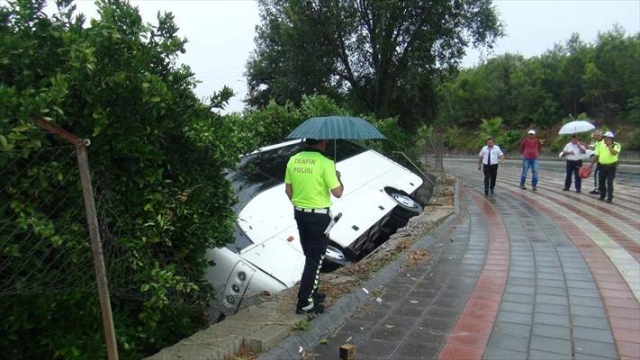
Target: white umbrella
x=576 y=126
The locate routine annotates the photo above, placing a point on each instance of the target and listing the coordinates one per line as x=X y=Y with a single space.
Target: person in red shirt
x=530 y=149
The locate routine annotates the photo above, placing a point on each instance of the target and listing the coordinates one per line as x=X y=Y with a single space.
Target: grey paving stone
x=426 y=334
x=459 y=293
x=575 y=264
x=520 y=281
x=522 y=265
x=522 y=269
x=413 y=350
x=456 y=302
x=442 y=312
x=552 y=269
x=590 y=322
x=521 y=274
x=494 y=353
x=422 y=293
x=520 y=298
x=558 y=332
x=585 y=301
x=403 y=281
x=579 y=276
x=551 y=283
x=585 y=333
x=558 y=346
x=410 y=310
x=549 y=263
x=521 y=257
x=378 y=312
x=389 y=333
x=551 y=299
x=595 y=348
x=581 y=284
x=355 y=326
x=552 y=309
x=580 y=356
x=575 y=269
x=519 y=330
x=395 y=293
x=544 y=355
x=546 y=290
x=504 y=340
x=593 y=311
x=405 y=322
x=376 y=349
x=583 y=292
x=516 y=307
x=436 y=325
x=519 y=289
x=550 y=319
x=551 y=276
x=514 y=317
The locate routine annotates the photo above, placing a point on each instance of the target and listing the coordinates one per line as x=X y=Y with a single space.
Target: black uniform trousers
x=490 y=174
x=596 y=177
x=607 y=174
x=573 y=170
x=314 y=246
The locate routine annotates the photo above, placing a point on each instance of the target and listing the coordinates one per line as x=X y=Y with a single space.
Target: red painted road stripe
x=469 y=337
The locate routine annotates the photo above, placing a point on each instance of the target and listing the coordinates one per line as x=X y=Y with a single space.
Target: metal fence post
x=94 y=233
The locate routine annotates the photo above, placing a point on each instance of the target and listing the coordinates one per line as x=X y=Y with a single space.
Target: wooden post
x=94 y=233
x=347 y=352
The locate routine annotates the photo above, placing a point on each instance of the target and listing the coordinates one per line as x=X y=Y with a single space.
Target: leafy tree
x=490 y=128
x=381 y=57
x=599 y=80
x=157 y=158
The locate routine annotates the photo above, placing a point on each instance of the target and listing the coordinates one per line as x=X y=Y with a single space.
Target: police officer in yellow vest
x=606 y=155
x=310 y=178
x=597 y=136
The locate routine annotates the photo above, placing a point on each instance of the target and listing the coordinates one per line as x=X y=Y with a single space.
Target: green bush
x=157 y=158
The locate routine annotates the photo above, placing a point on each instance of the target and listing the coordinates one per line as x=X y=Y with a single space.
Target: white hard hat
x=608 y=134
x=532 y=132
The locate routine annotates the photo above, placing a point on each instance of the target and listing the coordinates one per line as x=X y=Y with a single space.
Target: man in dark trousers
x=488 y=159
x=310 y=179
x=607 y=157
x=597 y=136
x=573 y=153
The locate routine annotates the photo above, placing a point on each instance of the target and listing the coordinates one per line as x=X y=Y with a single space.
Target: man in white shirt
x=573 y=153
x=488 y=159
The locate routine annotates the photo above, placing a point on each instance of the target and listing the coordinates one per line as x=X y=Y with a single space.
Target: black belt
x=316 y=211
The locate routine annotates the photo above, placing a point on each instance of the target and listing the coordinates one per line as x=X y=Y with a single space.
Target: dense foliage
x=600 y=80
x=380 y=57
x=157 y=158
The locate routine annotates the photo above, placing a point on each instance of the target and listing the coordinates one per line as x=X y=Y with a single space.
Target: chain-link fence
x=47 y=198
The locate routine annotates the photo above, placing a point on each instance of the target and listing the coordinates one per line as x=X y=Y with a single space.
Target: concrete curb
x=335 y=316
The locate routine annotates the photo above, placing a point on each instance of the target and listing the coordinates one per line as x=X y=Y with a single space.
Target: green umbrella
x=336 y=127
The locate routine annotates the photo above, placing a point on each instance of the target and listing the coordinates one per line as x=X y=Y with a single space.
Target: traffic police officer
x=607 y=157
x=309 y=178
x=597 y=135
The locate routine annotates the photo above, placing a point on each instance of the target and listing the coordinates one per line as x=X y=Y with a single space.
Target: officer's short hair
x=312 y=142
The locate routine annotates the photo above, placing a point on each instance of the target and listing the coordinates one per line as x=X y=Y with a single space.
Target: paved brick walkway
x=520 y=275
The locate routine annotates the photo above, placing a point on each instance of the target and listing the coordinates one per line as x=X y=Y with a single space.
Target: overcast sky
x=221 y=32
